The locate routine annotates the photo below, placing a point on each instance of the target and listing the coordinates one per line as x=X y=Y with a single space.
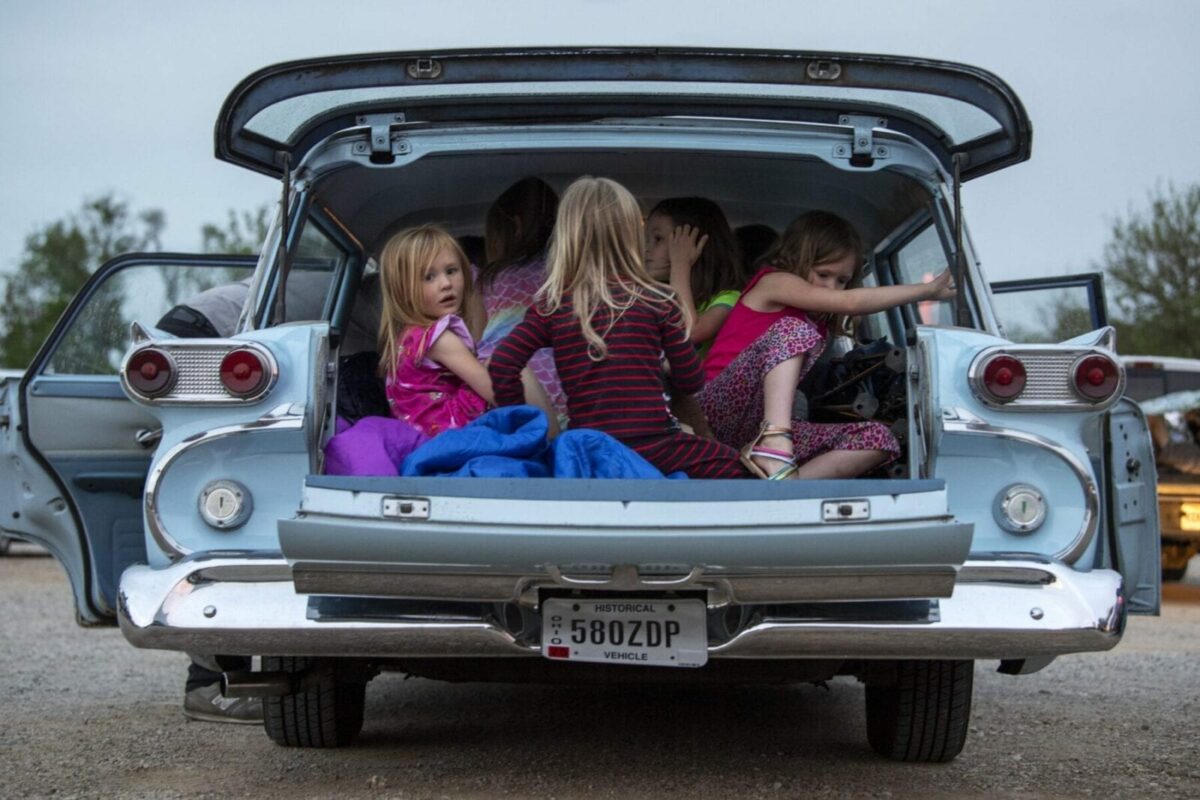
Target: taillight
x=243 y=372
x=1096 y=378
x=150 y=372
x=1003 y=378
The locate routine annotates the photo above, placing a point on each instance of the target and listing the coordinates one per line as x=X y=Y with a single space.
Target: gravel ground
x=87 y=715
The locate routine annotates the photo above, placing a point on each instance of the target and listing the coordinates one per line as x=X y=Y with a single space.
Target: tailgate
x=502 y=540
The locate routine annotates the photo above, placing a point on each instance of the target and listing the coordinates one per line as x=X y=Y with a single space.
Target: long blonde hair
x=402 y=265
x=596 y=257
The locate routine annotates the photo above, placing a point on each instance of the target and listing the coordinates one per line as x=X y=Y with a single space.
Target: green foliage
x=60 y=257
x=57 y=261
x=1153 y=266
x=243 y=233
x=1071 y=318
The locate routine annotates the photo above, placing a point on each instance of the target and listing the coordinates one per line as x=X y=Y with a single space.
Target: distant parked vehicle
x=1169 y=392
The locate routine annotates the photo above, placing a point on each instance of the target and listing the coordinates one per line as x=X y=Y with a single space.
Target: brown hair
x=720 y=267
x=596 y=257
x=518 y=225
x=402 y=265
x=815 y=237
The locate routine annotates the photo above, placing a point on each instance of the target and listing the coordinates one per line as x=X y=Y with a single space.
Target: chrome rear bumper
x=999 y=610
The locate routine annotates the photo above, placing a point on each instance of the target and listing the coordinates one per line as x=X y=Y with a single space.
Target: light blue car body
x=927 y=563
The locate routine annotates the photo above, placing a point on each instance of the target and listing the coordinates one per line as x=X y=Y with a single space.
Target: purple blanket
x=371 y=446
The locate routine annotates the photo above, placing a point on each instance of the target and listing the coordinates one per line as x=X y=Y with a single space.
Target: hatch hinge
x=863 y=149
x=381 y=138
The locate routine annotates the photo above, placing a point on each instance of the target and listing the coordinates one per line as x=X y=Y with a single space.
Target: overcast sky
x=122 y=96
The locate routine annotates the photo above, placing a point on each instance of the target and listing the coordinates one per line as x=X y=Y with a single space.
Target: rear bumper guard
x=998 y=610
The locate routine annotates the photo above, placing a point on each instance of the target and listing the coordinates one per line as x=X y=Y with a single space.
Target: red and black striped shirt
x=624 y=395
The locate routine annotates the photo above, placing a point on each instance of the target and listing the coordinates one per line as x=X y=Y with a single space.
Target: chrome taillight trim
x=285 y=417
x=1049 y=381
x=1112 y=359
x=958 y=420
x=197 y=364
x=171 y=383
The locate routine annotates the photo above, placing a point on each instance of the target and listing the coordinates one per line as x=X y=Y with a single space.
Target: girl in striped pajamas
x=610 y=326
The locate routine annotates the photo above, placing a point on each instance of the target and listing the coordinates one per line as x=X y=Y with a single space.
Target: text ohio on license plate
x=651 y=632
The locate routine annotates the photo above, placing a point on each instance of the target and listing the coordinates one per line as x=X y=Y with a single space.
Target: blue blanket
x=511 y=442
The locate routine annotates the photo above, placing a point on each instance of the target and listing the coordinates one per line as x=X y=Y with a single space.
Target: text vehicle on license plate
x=665 y=633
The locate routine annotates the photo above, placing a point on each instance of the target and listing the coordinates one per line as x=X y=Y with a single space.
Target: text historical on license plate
x=654 y=632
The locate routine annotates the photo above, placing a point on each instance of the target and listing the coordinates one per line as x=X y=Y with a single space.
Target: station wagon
x=181 y=482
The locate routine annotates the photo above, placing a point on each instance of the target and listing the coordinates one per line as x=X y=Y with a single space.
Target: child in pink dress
x=433 y=380
x=772 y=338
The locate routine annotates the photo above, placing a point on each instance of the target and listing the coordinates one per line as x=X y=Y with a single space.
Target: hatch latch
x=845 y=510
x=406 y=507
x=424 y=69
x=863 y=149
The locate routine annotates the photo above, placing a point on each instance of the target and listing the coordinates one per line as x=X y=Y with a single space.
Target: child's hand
x=942 y=287
x=685 y=247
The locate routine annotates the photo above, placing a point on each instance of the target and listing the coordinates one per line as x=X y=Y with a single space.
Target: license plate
x=663 y=633
x=1189 y=517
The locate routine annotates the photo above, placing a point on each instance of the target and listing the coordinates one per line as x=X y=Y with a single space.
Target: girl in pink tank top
x=433 y=379
x=773 y=336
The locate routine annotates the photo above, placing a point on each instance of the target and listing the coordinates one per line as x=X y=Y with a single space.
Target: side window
x=97 y=336
x=920 y=260
x=872 y=326
x=316 y=261
x=1048 y=310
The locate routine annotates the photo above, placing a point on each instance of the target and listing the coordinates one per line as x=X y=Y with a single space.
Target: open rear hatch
x=504 y=540
x=280 y=113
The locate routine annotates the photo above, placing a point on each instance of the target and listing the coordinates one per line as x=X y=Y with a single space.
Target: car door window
x=316 y=262
x=98 y=335
x=1049 y=310
x=920 y=260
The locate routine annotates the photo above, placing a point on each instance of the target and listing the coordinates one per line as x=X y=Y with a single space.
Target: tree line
x=60 y=256
x=1151 y=265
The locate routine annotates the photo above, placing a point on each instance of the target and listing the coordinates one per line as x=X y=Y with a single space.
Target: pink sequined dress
x=425 y=394
x=507 y=297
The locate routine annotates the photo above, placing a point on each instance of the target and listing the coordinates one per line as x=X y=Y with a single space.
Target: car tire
x=5 y=543
x=325 y=711
x=924 y=714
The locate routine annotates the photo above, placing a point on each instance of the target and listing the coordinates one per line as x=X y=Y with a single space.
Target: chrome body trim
x=958 y=420
x=285 y=417
x=1050 y=385
x=1009 y=608
x=196 y=389
x=722 y=587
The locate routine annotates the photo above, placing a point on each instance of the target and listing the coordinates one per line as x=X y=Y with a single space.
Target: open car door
x=1044 y=310
x=76 y=449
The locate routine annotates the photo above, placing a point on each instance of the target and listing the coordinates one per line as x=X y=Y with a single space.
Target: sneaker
x=208 y=704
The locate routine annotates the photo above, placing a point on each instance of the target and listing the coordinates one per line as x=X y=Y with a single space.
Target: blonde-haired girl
x=610 y=325
x=433 y=380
